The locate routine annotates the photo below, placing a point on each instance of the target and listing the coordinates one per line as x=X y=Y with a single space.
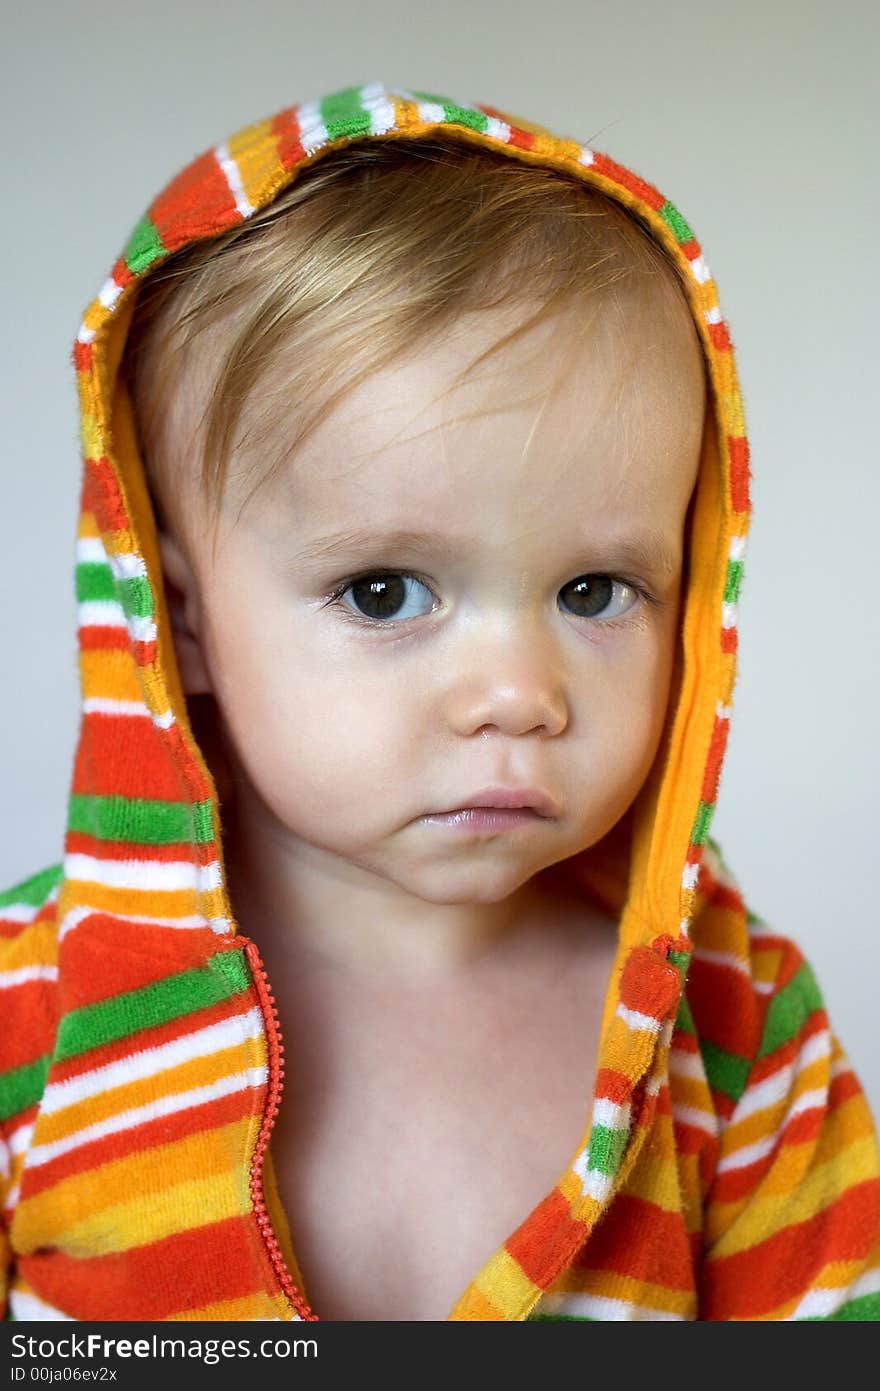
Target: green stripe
x=558 y=1318
x=606 y=1148
x=223 y=975
x=702 y=822
x=343 y=114
x=144 y=246
x=23 y=1086
x=35 y=889
x=789 y=1010
x=684 y=1020
x=452 y=112
x=727 y=1072
x=670 y=214
x=95 y=583
x=864 y=1309
x=135 y=596
x=735 y=570
x=139 y=819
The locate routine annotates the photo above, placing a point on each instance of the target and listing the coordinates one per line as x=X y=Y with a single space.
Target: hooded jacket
x=728 y=1166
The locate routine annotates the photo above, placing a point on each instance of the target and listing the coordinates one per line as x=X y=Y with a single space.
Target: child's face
x=492 y=666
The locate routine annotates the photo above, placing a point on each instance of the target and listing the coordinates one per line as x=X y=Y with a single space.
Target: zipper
x=270 y=1111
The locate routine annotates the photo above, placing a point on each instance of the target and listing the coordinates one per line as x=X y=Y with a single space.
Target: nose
x=514 y=684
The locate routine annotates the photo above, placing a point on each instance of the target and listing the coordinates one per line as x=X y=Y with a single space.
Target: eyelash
x=334 y=599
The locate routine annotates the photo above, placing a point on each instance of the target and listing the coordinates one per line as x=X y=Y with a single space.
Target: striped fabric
x=728 y=1166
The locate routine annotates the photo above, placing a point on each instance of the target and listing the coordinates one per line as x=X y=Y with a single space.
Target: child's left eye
x=382 y=595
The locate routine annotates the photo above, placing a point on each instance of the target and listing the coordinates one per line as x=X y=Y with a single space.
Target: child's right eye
x=381 y=594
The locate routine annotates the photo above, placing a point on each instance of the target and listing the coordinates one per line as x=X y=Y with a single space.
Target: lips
x=509 y=799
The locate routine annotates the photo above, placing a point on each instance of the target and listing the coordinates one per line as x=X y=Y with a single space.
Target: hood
x=153 y=973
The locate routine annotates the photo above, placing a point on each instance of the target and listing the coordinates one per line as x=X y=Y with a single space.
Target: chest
x=407 y=1150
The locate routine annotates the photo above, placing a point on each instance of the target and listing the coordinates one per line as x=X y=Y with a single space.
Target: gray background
x=753 y=119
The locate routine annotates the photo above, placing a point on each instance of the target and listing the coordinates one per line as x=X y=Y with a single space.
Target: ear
x=182 y=598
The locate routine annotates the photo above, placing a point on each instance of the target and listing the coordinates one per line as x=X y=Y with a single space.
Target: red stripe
x=545 y=1242
x=638 y=1239
x=218 y=1261
x=98 y=961
x=738 y=454
x=626 y=179
x=124 y=756
x=782 y=1268
x=197 y=203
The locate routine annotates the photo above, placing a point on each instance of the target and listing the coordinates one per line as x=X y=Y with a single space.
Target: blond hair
x=375 y=247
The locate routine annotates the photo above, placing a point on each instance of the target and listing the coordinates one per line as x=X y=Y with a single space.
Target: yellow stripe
x=502 y=1285
x=35 y=945
x=609 y=1284
x=254 y=150
x=93 y=1211
x=765 y=1214
x=109 y=675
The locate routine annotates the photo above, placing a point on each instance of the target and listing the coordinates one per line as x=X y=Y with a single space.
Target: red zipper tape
x=270 y=1111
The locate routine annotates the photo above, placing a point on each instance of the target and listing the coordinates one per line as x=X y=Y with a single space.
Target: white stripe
x=748 y=1154
x=737 y=547
x=722 y=958
x=100 y=613
x=775 y=1088
x=430 y=111
x=149 y=1062
x=164 y=719
x=78 y=915
x=683 y=1063
x=700 y=269
x=142 y=874
x=85 y=335
x=26 y=1307
x=499 y=130
x=728 y=615
x=312 y=131
x=233 y=178
x=598 y=1306
x=690 y=875
x=109 y=293
x=702 y=1120
x=586 y=155
x=9 y=979
x=594 y=1184
x=5 y=1160
x=634 y=1020
x=127 y=565
x=19 y=1138
x=610 y=1114
x=139 y=1115
x=763 y=987
x=824 y=1301
x=19 y=912
x=142 y=629
x=102 y=705
x=90 y=551
x=713 y=315
x=723 y=711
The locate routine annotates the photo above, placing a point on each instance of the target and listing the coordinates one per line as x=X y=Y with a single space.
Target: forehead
x=604 y=410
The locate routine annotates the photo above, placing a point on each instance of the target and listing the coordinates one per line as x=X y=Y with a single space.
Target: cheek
x=315 y=746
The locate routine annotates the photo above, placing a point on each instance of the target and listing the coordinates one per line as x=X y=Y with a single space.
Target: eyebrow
x=647 y=551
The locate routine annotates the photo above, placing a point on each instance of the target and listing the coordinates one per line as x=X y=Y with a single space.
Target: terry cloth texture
x=728 y=1166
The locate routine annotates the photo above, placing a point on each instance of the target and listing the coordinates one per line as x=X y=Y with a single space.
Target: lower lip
x=477 y=820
